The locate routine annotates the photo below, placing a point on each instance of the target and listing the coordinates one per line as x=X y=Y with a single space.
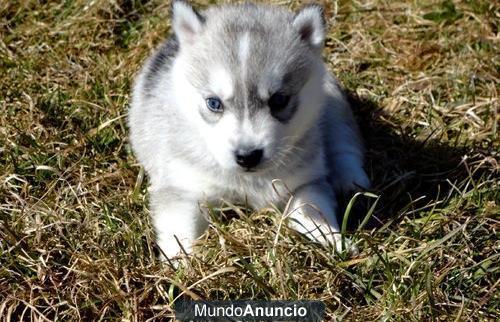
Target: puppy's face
x=253 y=88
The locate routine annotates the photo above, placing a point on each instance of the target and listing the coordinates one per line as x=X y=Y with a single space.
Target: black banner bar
x=250 y=310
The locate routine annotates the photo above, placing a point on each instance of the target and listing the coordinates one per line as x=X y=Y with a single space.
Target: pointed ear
x=186 y=22
x=310 y=24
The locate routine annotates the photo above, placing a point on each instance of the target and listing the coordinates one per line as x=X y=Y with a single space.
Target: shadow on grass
x=408 y=174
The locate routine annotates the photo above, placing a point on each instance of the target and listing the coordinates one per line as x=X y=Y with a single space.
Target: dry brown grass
x=76 y=242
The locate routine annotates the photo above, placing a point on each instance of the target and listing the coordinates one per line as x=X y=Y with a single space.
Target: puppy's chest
x=257 y=191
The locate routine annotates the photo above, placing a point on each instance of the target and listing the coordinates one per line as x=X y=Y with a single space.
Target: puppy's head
x=251 y=76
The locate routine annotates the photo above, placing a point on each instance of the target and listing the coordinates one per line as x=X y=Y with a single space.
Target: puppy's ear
x=310 y=24
x=186 y=22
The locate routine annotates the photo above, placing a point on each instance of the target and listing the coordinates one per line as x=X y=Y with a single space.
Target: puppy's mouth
x=250 y=170
x=262 y=167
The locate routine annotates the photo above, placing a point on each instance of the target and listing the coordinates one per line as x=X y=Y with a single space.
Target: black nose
x=249 y=159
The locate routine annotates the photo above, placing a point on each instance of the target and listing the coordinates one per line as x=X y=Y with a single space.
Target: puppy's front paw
x=339 y=244
x=174 y=260
x=346 y=246
x=171 y=250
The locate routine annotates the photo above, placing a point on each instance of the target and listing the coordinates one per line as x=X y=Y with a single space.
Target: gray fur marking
x=160 y=62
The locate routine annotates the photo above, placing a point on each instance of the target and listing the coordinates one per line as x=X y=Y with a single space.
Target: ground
x=76 y=242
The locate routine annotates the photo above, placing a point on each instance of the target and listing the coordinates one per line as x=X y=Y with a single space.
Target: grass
x=76 y=242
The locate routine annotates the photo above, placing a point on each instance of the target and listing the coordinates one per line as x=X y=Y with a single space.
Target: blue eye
x=214 y=104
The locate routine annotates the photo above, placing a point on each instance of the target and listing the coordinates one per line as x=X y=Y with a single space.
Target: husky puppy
x=238 y=97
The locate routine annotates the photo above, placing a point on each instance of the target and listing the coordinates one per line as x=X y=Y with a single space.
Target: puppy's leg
x=177 y=219
x=342 y=142
x=312 y=213
x=346 y=154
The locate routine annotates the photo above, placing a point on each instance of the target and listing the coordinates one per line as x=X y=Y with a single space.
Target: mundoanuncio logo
x=250 y=310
